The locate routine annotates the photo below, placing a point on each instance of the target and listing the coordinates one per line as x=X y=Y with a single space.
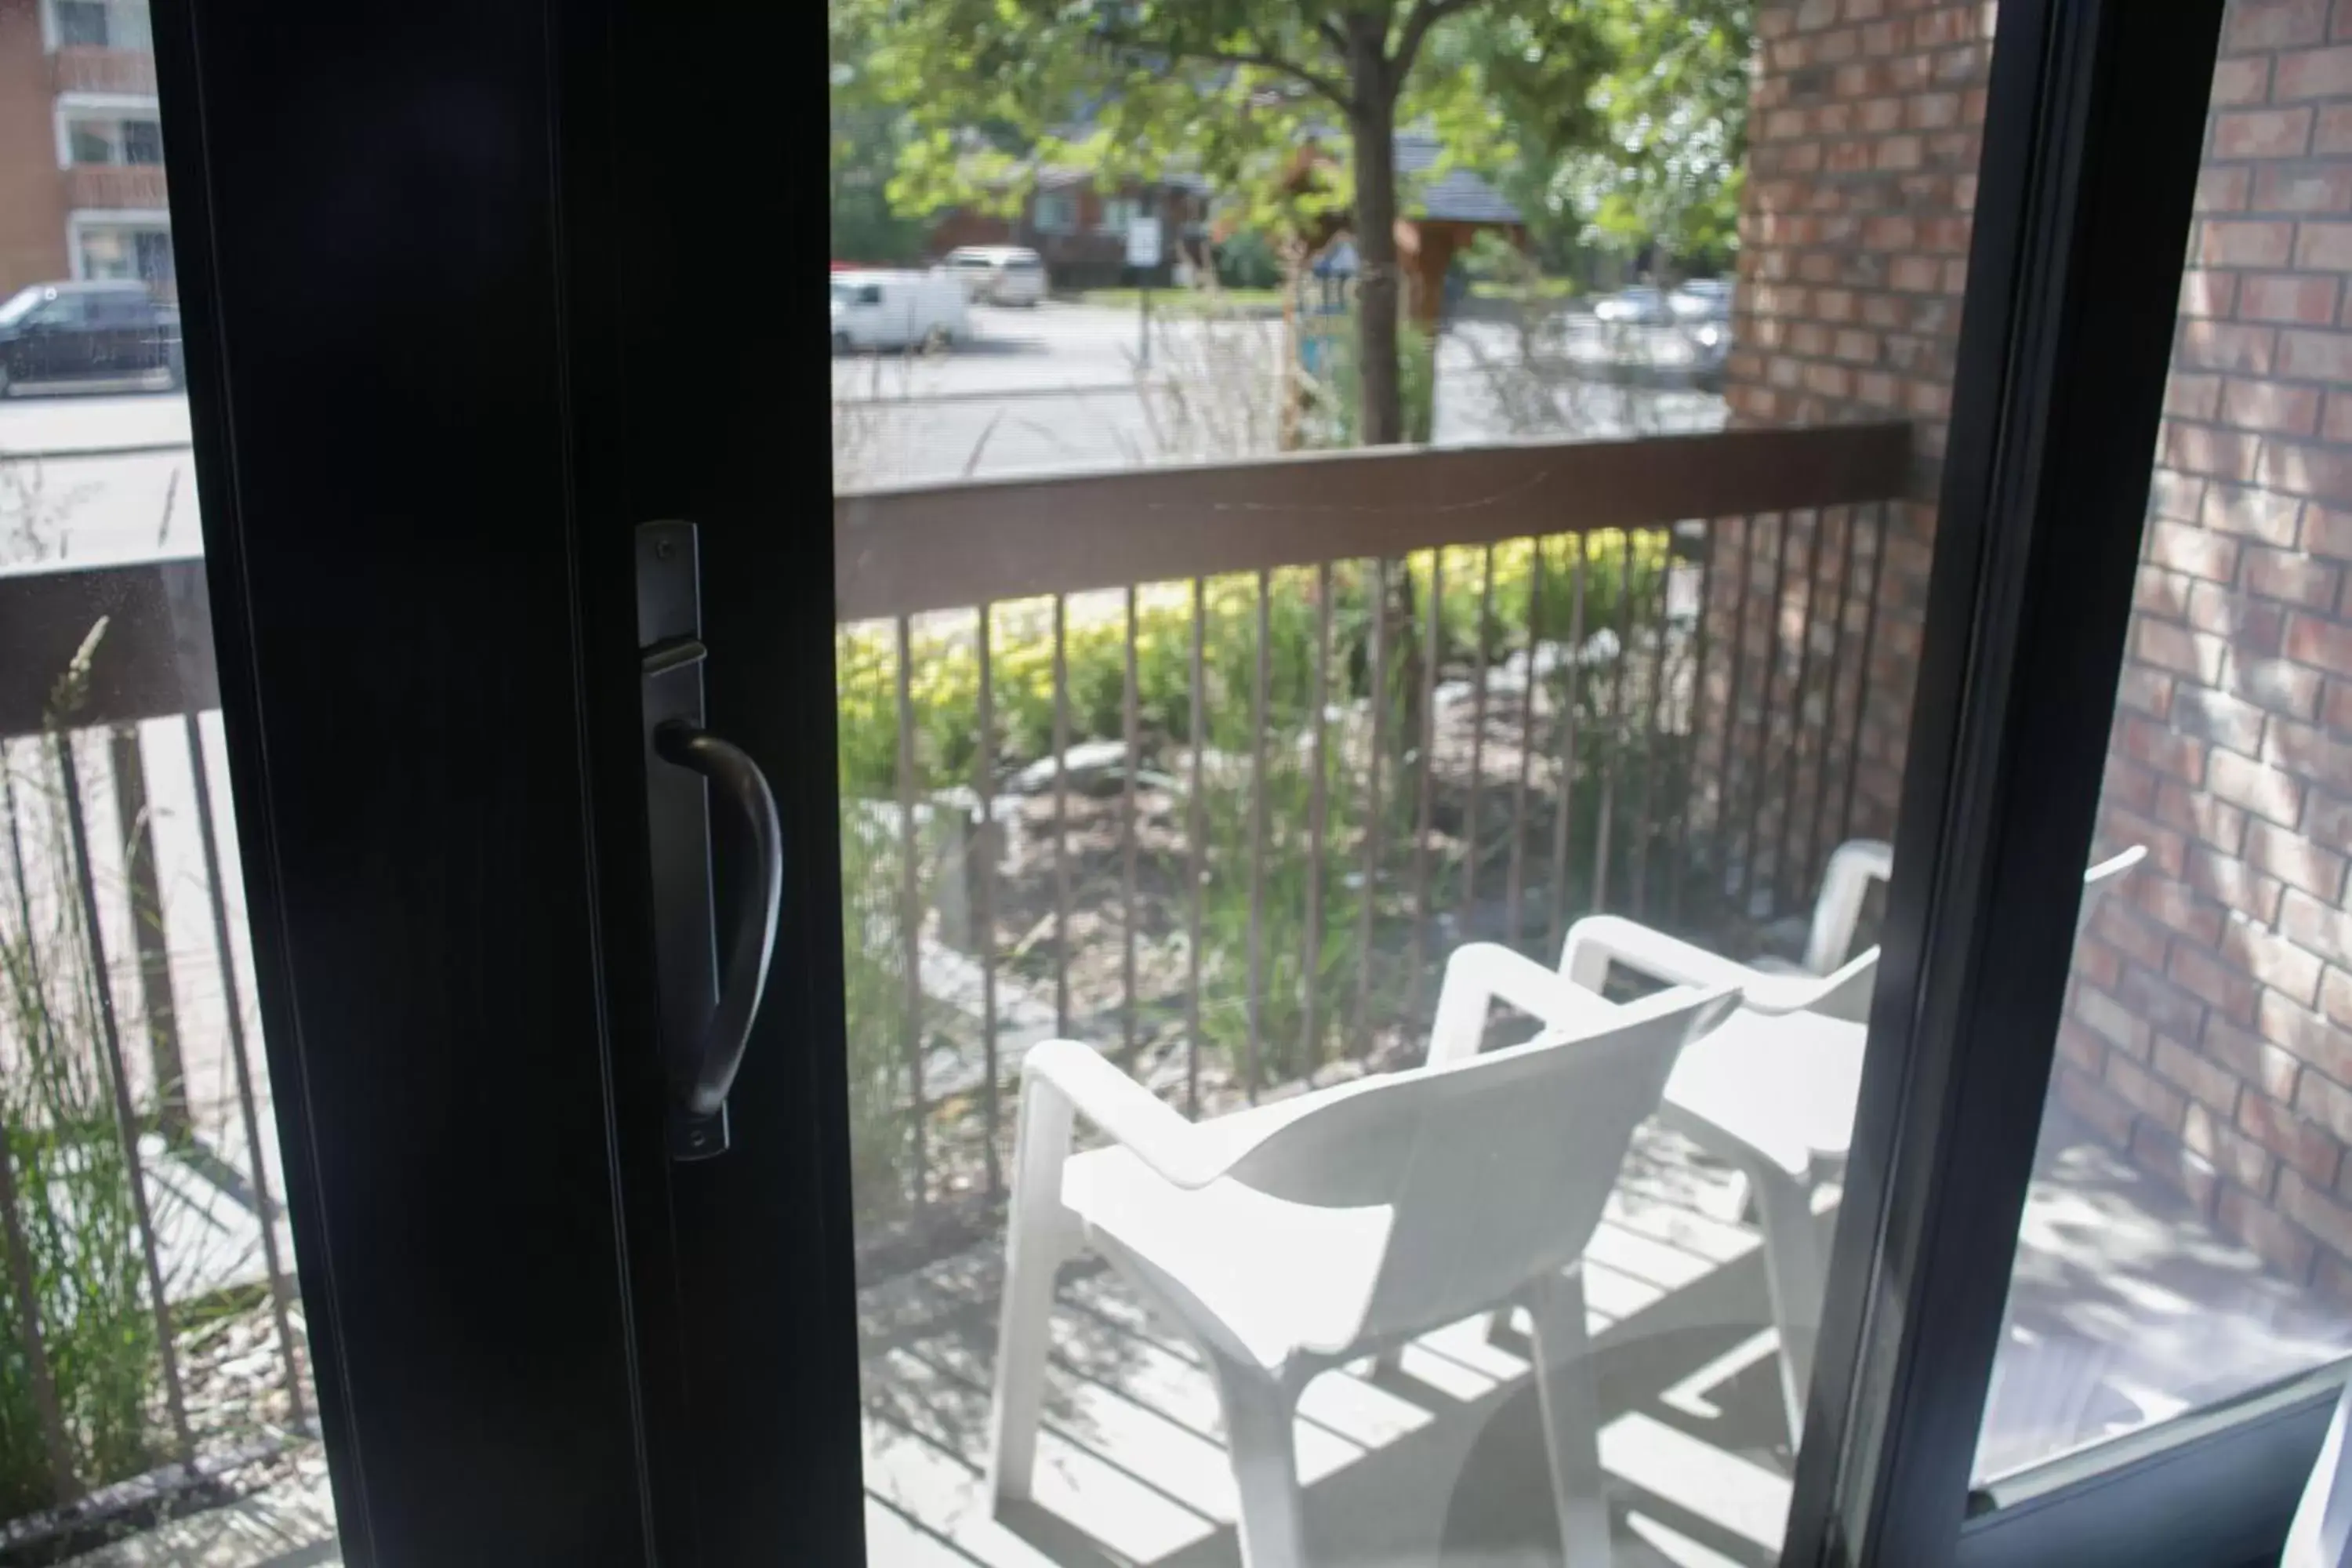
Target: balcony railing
x=1213 y=766
x=83 y=67
x=116 y=186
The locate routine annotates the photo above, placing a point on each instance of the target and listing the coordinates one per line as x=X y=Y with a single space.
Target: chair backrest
x=1858 y=862
x=1494 y=1167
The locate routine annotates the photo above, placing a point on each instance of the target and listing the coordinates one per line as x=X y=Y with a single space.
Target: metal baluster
x=1572 y=680
x=1781 y=866
x=1749 y=862
x=1195 y=866
x=1742 y=587
x=1514 y=878
x=281 y=1292
x=1694 y=711
x=1423 y=810
x=1061 y=817
x=910 y=914
x=983 y=923
x=1862 y=691
x=1128 y=726
x=126 y=1120
x=136 y=833
x=1477 y=740
x=1604 y=830
x=1310 y=966
x=1373 y=825
x=1815 y=850
x=1650 y=739
x=1257 y=825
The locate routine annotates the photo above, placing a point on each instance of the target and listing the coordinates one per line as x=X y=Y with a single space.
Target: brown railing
x=84 y=67
x=116 y=186
x=1285 y=731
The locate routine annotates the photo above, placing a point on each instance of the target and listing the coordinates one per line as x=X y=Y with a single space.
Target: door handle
x=703 y=1080
x=706 y=1014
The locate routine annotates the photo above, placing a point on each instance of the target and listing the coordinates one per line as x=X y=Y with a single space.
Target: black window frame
x=2094 y=125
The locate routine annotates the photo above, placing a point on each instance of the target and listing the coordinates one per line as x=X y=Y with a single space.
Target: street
x=1057 y=388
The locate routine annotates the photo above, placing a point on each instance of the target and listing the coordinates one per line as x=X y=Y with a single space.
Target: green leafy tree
x=867 y=134
x=1245 y=91
x=1653 y=156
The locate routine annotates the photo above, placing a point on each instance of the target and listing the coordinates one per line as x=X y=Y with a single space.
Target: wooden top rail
x=907 y=551
x=154 y=661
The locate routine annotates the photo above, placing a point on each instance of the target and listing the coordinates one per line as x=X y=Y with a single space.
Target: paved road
x=94 y=479
x=1060 y=387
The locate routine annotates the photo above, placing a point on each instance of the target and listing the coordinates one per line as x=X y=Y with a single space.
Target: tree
x=867 y=134
x=1236 y=88
x=1655 y=160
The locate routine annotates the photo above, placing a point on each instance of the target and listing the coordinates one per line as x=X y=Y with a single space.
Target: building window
x=124 y=252
x=82 y=23
x=102 y=24
x=1118 y=214
x=1057 y=212
x=114 y=142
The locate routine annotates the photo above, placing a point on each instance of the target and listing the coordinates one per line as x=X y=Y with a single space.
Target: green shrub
x=74 y=1211
x=1622 y=580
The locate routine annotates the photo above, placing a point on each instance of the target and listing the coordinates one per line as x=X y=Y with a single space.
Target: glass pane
x=149 y=1311
x=2189 y=1235
x=1195 y=819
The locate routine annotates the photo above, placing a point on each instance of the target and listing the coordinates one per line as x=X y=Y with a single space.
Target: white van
x=999 y=274
x=897 y=311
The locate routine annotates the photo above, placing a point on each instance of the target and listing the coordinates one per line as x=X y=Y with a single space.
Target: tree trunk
x=1379 y=391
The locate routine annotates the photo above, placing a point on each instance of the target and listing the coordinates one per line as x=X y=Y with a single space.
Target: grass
x=1535 y=289
x=73 y=1217
x=1186 y=301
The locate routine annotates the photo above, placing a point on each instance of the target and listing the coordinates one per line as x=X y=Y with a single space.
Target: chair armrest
x=1482 y=972
x=1853 y=865
x=1062 y=1077
x=1596 y=942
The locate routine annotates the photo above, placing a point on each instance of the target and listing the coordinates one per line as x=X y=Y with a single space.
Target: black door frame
x=487 y=232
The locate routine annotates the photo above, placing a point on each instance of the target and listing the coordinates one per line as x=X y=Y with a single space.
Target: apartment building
x=81 y=146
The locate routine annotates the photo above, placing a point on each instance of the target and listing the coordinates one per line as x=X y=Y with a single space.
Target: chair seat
x=1280 y=1279
x=1782 y=1086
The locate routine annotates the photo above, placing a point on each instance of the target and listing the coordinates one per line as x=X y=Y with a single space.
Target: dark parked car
x=70 y=335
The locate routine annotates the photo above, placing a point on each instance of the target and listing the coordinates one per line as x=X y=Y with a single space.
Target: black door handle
x=706 y=1017
x=700 y=1079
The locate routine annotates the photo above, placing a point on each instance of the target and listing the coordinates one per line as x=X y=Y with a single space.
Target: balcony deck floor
x=2129 y=1307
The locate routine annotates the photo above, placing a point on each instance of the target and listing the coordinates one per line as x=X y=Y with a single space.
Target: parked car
x=1642 y=306
x=1701 y=300
x=86 y=336
x=999 y=274
x=897 y=311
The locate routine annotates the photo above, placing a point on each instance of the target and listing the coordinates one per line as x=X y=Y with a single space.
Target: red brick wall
x=1864 y=133
x=2210 y=1029
x=32 y=187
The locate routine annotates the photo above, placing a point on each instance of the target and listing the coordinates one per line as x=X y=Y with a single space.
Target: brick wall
x=1864 y=133
x=32 y=188
x=2208 y=1028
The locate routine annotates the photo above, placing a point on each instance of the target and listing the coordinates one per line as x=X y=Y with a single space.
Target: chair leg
x=1035 y=1242
x=1265 y=1465
x=1571 y=1419
x=1794 y=1273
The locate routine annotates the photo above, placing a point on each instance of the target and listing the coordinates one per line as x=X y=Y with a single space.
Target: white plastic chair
x=1773 y=1090
x=1292 y=1237
x=2321 y=1535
